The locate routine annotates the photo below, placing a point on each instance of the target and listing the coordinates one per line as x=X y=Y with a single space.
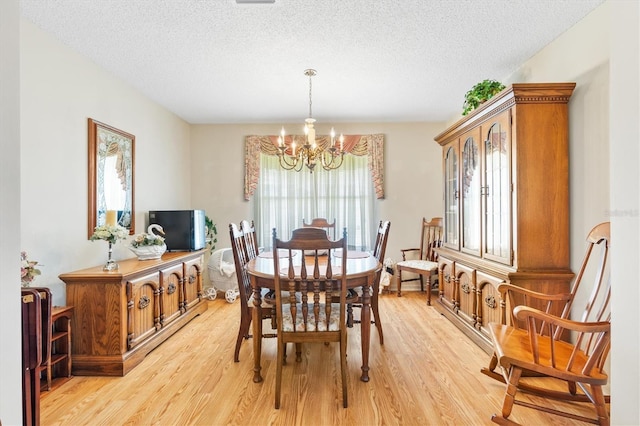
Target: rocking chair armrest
x=405 y=251
x=555 y=297
x=524 y=313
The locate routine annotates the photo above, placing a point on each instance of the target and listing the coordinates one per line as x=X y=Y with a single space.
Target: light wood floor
x=427 y=373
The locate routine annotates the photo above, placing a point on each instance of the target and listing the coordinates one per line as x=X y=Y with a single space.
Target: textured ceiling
x=216 y=61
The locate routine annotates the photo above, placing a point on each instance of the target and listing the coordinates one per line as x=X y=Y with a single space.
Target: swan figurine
x=149 y=245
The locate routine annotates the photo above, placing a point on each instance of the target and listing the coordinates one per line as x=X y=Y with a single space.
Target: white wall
x=10 y=317
x=59 y=90
x=625 y=211
x=413 y=174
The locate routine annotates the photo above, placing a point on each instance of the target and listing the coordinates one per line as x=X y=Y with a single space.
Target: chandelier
x=329 y=153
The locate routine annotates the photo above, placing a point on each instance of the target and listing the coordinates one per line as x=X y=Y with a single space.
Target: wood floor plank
x=427 y=373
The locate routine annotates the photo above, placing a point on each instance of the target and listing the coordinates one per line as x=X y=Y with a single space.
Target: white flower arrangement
x=111 y=233
x=28 y=270
x=146 y=239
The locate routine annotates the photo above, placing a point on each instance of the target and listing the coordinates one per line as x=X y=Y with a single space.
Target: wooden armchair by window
x=301 y=293
x=533 y=344
x=379 y=250
x=426 y=264
x=320 y=222
x=241 y=257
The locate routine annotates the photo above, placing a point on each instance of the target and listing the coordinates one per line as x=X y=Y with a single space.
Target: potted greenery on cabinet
x=480 y=93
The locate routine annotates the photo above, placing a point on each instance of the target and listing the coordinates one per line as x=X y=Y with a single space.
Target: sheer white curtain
x=284 y=198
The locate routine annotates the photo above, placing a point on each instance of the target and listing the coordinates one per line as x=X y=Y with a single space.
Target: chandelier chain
x=311 y=73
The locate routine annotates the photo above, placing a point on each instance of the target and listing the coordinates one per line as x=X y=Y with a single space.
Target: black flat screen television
x=184 y=229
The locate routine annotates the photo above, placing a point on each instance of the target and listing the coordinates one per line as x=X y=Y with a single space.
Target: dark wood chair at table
x=320 y=222
x=301 y=291
x=554 y=348
x=379 y=250
x=250 y=238
x=241 y=257
x=426 y=263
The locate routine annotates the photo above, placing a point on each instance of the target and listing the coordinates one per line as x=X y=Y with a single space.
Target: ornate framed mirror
x=111 y=172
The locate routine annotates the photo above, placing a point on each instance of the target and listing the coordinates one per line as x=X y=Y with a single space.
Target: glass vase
x=111 y=264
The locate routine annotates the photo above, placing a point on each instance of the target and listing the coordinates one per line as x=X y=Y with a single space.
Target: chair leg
x=510 y=393
x=243 y=333
x=298 y=352
x=421 y=283
x=376 y=314
x=280 y=360
x=428 y=278
x=399 y=289
x=350 y=315
x=343 y=369
x=599 y=402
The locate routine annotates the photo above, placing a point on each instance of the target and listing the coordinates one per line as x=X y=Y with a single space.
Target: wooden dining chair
x=555 y=348
x=250 y=238
x=241 y=257
x=301 y=292
x=426 y=263
x=379 y=250
x=320 y=222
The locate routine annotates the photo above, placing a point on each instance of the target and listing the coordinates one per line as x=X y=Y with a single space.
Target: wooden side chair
x=426 y=264
x=320 y=222
x=301 y=292
x=555 y=348
x=250 y=238
x=379 y=250
x=241 y=257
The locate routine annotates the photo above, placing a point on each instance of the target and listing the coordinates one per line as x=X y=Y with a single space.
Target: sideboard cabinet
x=506 y=203
x=121 y=316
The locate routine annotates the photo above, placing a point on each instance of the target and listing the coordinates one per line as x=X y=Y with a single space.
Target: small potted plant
x=211 y=233
x=480 y=93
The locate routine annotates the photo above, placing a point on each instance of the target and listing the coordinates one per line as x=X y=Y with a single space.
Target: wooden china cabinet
x=123 y=315
x=506 y=198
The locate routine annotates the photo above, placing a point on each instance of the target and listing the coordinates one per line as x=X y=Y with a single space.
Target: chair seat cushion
x=332 y=325
x=416 y=264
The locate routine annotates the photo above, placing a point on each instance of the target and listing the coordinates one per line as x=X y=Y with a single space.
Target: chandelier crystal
x=329 y=153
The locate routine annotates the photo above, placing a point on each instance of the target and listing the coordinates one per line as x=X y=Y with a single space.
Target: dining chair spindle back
x=302 y=291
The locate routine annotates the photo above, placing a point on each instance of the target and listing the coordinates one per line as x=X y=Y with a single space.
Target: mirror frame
x=94 y=128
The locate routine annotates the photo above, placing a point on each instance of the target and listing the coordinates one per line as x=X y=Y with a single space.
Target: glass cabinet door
x=497 y=189
x=470 y=189
x=451 y=197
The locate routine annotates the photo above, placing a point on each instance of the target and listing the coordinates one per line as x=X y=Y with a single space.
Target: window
x=284 y=198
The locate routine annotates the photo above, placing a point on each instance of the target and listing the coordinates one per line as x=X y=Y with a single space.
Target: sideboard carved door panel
x=143 y=304
x=192 y=282
x=171 y=306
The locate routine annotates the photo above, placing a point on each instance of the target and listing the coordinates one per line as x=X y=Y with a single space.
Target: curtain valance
x=369 y=145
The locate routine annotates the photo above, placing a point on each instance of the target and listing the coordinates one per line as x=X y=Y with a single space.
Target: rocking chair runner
x=532 y=344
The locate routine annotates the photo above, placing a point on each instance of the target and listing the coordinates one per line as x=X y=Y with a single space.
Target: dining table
x=362 y=271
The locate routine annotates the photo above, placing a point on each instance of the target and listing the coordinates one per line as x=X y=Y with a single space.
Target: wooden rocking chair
x=540 y=346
